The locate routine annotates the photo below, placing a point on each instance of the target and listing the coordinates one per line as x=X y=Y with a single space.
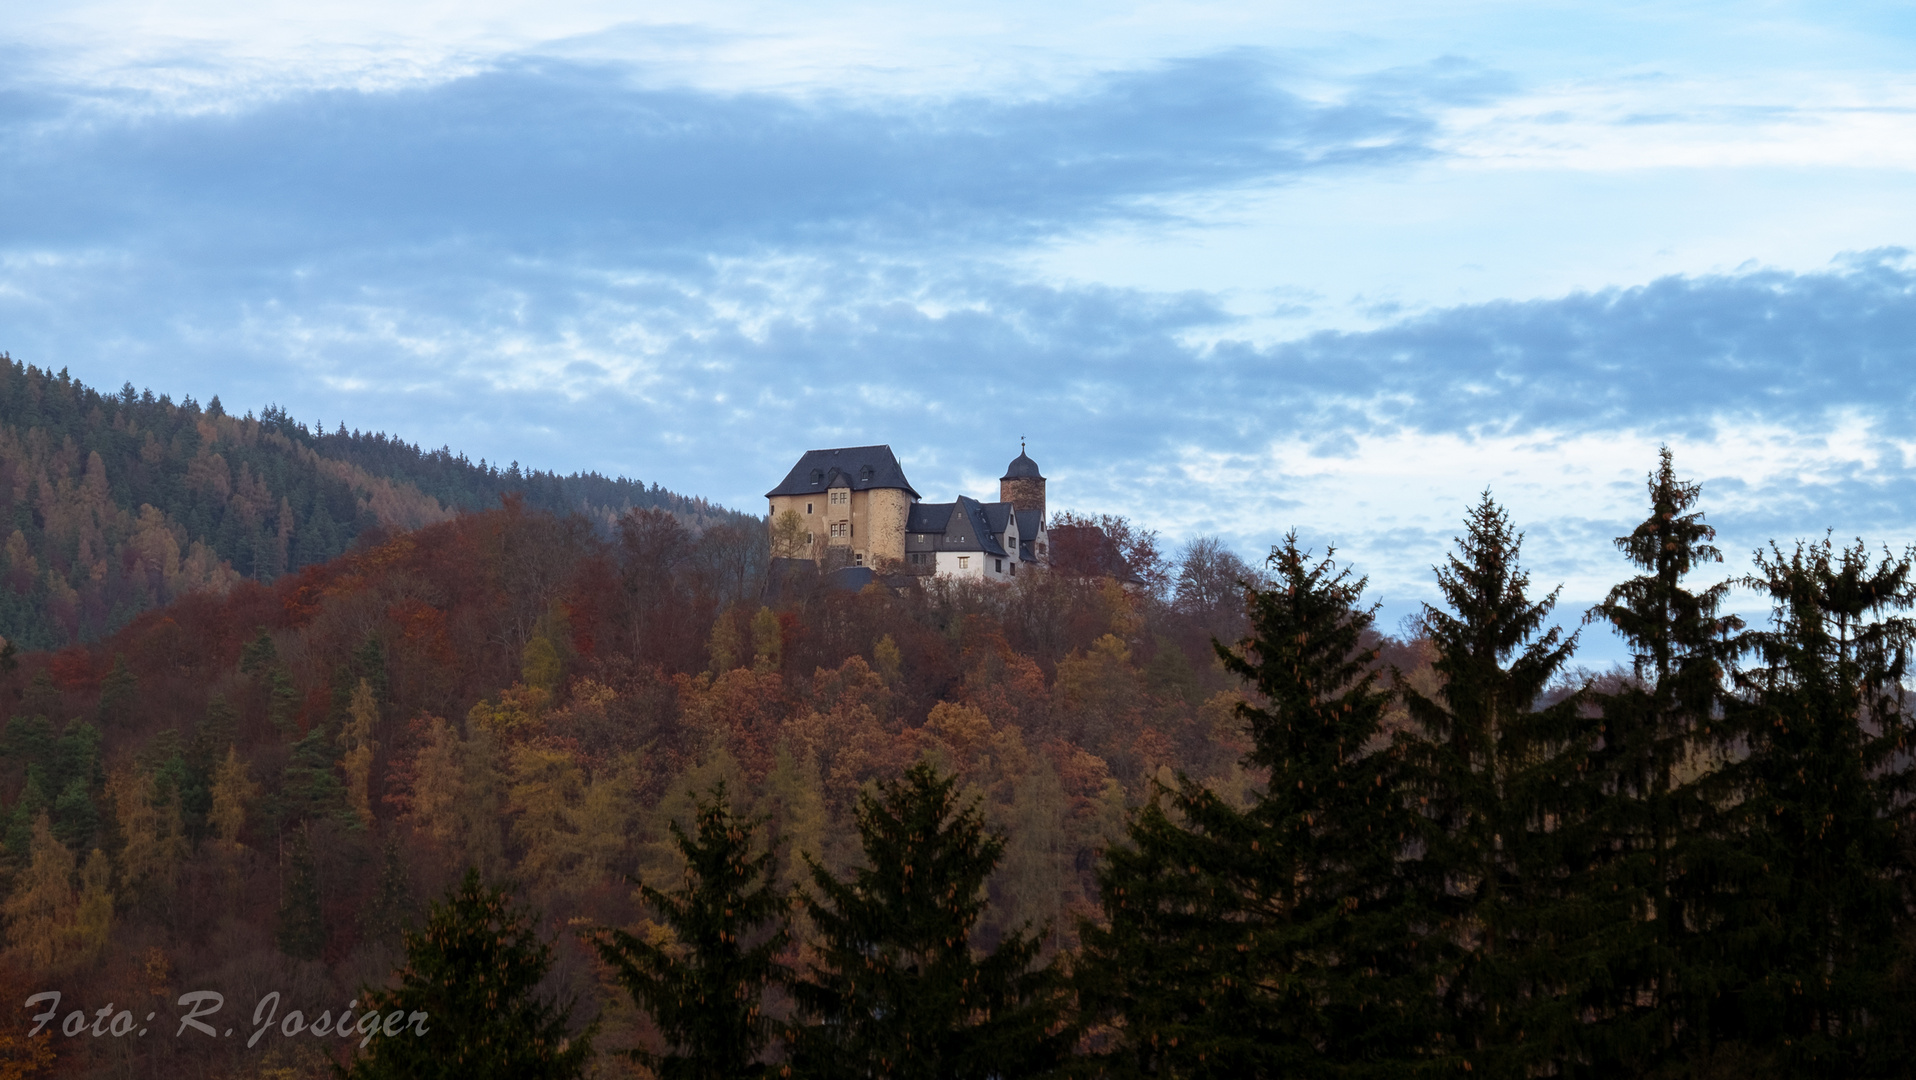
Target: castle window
x=964 y=562
x=859 y=558
x=808 y=539
x=1001 y=565
x=1014 y=569
x=808 y=508
x=840 y=496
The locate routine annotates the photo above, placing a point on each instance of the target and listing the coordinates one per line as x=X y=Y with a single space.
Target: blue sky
x=1232 y=268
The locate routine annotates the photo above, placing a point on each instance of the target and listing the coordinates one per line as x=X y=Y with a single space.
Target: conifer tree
x=1276 y=941
x=705 y=988
x=1658 y=805
x=385 y=920
x=898 y=989
x=119 y=692
x=1825 y=811
x=302 y=934
x=1166 y=979
x=1497 y=783
x=474 y=970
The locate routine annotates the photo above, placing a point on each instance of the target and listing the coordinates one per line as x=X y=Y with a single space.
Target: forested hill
x=114 y=503
x=461 y=485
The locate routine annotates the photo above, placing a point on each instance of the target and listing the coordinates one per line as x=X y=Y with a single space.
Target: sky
x=1229 y=268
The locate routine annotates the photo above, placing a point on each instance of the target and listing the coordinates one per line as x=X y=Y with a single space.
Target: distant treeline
x=115 y=503
x=459 y=483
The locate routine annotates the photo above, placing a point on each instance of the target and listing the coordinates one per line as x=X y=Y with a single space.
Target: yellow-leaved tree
x=39 y=913
x=233 y=788
x=154 y=838
x=457 y=797
x=356 y=762
x=93 y=919
x=547 y=788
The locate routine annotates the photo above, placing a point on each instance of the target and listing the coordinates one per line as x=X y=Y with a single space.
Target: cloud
x=546 y=157
x=1680 y=354
x=553 y=262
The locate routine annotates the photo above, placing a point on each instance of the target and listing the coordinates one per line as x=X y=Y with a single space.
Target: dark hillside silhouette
x=116 y=503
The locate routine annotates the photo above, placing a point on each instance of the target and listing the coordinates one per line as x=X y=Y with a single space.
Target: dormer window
x=818 y=476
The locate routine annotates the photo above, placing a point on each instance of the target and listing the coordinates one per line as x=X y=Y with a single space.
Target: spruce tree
x=898 y=990
x=1658 y=813
x=1280 y=940
x=1504 y=814
x=1824 y=810
x=474 y=971
x=705 y=988
x=1166 y=981
x=301 y=933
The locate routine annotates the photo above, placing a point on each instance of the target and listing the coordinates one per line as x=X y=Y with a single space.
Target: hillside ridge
x=116 y=503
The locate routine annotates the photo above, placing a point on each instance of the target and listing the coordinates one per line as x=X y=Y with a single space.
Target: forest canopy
x=1195 y=819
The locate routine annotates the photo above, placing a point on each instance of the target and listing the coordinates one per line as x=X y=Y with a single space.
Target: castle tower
x=1022 y=485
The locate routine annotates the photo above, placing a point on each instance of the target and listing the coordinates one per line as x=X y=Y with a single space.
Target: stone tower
x=1022 y=485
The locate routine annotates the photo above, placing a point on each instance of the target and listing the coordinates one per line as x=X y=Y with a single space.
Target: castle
x=855 y=502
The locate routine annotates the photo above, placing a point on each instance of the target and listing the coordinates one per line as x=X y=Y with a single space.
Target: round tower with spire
x=1022 y=485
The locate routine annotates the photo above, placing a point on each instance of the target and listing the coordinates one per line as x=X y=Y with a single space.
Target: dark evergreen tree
x=1281 y=940
x=474 y=970
x=705 y=988
x=259 y=655
x=309 y=787
x=119 y=692
x=302 y=934
x=1504 y=809
x=385 y=920
x=1659 y=811
x=1166 y=980
x=1824 y=784
x=898 y=989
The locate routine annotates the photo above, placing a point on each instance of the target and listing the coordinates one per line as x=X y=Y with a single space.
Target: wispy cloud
x=549 y=157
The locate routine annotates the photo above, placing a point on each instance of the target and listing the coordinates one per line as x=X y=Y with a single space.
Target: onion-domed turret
x=1021 y=467
x=1022 y=485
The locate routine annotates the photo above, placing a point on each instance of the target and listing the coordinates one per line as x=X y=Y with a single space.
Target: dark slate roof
x=1021 y=466
x=862 y=467
x=928 y=517
x=981 y=538
x=853 y=578
x=1030 y=523
x=998 y=516
x=956 y=526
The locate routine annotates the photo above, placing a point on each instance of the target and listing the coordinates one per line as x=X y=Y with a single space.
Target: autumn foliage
x=263 y=785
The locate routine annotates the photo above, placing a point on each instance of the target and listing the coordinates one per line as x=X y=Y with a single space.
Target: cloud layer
x=565 y=263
